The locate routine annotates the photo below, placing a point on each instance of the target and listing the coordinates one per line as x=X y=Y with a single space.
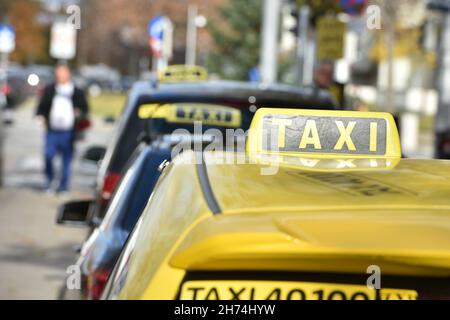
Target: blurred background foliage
x=237 y=43
x=32 y=37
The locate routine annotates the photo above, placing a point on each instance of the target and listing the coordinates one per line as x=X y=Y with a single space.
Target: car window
x=127 y=142
x=119 y=274
x=119 y=199
x=143 y=187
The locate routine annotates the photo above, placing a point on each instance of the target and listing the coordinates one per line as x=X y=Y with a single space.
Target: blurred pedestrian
x=324 y=79
x=324 y=74
x=61 y=106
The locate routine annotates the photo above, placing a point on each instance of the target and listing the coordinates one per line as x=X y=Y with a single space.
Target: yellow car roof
x=420 y=184
x=297 y=218
x=307 y=160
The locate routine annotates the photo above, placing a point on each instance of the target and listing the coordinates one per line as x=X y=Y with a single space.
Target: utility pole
x=3 y=109
x=2 y=106
x=442 y=120
x=7 y=45
x=269 y=47
x=443 y=115
x=191 y=37
x=302 y=43
x=390 y=12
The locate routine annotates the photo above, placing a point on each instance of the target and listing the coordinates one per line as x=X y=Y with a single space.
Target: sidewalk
x=34 y=251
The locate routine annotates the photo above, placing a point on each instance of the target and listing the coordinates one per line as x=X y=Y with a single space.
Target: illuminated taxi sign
x=324 y=133
x=188 y=113
x=180 y=73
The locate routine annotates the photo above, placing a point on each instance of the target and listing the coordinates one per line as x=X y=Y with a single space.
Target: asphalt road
x=34 y=251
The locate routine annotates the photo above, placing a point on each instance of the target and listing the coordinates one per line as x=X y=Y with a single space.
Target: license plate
x=287 y=290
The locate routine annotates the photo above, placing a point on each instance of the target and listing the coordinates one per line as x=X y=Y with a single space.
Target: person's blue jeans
x=59 y=142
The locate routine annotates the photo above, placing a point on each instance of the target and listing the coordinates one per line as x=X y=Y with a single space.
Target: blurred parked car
x=101 y=250
x=39 y=76
x=126 y=83
x=236 y=94
x=100 y=78
x=16 y=89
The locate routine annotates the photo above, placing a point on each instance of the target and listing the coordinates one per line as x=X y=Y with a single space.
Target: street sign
x=156 y=34
x=330 y=38
x=353 y=7
x=160 y=30
x=63 y=41
x=7 y=38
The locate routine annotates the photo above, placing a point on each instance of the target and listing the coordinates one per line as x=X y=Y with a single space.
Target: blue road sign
x=353 y=7
x=156 y=33
x=7 y=38
x=156 y=27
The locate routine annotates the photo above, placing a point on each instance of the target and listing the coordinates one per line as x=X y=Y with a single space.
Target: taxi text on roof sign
x=326 y=134
x=180 y=73
x=188 y=113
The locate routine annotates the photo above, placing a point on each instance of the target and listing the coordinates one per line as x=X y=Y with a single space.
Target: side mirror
x=74 y=213
x=94 y=154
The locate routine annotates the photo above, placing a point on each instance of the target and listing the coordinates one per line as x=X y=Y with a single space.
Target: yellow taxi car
x=320 y=207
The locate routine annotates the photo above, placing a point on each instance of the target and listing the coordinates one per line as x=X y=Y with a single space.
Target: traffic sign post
x=269 y=41
x=7 y=45
x=160 y=32
x=194 y=21
x=7 y=38
x=442 y=123
x=302 y=45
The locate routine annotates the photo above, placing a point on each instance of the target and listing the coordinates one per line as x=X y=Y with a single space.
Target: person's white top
x=62 y=115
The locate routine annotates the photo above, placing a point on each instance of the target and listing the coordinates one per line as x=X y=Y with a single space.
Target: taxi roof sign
x=180 y=73
x=323 y=134
x=189 y=113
